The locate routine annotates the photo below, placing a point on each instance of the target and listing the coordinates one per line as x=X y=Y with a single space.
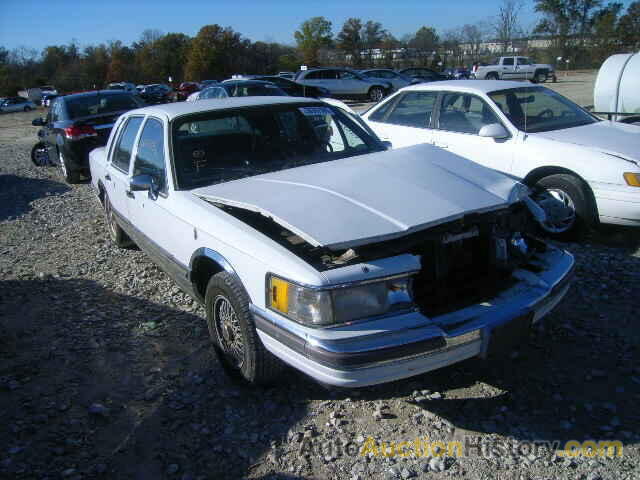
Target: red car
x=185 y=89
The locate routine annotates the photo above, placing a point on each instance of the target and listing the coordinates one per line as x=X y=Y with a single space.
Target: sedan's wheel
x=27 y=108
x=540 y=77
x=70 y=176
x=565 y=202
x=233 y=331
x=117 y=235
x=376 y=94
x=39 y=155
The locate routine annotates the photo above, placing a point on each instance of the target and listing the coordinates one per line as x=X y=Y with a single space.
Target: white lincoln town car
x=585 y=171
x=310 y=244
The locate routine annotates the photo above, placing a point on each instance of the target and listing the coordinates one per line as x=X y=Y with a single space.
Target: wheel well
x=541 y=70
x=538 y=174
x=202 y=270
x=491 y=74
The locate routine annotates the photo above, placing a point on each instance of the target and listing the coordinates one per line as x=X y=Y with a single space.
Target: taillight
x=78 y=132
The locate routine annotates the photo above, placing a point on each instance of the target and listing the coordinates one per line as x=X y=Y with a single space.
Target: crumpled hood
x=613 y=138
x=369 y=198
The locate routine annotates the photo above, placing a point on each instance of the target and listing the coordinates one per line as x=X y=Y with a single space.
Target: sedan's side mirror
x=494 y=130
x=141 y=183
x=38 y=122
x=387 y=144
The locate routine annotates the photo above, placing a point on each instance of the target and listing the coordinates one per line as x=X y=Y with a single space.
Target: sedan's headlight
x=632 y=179
x=342 y=304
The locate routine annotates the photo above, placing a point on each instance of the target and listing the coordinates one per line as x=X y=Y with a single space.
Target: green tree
x=215 y=52
x=629 y=27
x=425 y=40
x=605 y=31
x=314 y=35
x=373 y=36
x=349 y=39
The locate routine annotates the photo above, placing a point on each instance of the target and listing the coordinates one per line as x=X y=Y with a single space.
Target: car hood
x=612 y=138
x=369 y=198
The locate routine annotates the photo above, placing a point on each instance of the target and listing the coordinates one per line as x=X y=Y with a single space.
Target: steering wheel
x=548 y=113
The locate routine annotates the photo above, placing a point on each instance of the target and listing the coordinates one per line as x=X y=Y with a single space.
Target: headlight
x=341 y=304
x=632 y=179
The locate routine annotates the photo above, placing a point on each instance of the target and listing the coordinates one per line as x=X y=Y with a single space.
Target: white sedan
x=588 y=170
x=307 y=241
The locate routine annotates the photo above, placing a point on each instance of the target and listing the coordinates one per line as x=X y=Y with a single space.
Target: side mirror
x=387 y=144
x=38 y=122
x=141 y=183
x=494 y=130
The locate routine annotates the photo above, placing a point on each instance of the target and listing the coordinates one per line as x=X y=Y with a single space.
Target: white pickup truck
x=516 y=68
x=308 y=242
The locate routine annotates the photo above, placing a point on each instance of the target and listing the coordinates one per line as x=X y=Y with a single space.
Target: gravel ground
x=106 y=370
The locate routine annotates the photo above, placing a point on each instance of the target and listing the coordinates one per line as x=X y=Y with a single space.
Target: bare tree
x=472 y=36
x=506 y=24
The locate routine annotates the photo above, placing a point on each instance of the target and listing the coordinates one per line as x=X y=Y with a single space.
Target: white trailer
x=617 y=90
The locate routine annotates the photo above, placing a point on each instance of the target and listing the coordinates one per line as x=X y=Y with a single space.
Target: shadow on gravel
x=17 y=193
x=95 y=384
x=627 y=238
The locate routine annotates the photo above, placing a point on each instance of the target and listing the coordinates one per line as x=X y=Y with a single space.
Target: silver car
x=343 y=83
x=16 y=104
x=397 y=80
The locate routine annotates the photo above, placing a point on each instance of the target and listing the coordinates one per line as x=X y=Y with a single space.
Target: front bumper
x=617 y=204
x=394 y=347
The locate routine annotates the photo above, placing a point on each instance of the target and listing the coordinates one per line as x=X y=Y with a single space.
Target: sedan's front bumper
x=386 y=349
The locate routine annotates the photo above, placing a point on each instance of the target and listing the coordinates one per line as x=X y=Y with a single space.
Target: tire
x=27 y=108
x=552 y=193
x=117 y=235
x=492 y=76
x=540 y=77
x=69 y=175
x=39 y=155
x=233 y=333
x=376 y=94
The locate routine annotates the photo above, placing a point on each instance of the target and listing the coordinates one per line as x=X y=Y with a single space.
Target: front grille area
x=457 y=274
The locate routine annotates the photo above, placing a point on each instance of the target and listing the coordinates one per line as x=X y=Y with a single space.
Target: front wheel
x=492 y=76
x=233 y=332
x=376 y=94
x=565 y=200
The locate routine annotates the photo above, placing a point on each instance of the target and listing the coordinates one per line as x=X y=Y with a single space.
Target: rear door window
x=122 y=153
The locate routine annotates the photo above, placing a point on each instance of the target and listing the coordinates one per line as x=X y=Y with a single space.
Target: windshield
x=89 y=105
x=538 y=109
x=219 y=146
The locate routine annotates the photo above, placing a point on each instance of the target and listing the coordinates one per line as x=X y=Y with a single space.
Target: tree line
x=584 y=31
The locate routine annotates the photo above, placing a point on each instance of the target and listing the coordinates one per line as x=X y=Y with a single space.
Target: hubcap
x=228 y=330
x=111 y=219
x=376 y=94
x=560 y=210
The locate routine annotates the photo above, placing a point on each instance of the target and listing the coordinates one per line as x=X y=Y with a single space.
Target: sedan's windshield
x=538 y=109
x=219 y=146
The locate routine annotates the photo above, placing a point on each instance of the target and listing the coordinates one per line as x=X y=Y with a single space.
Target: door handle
x=441 y=145
x=130 y=194
x=107 y=177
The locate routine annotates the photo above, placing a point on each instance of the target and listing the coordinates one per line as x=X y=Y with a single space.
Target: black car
x=242 y=88
x=295 y=89
x=157 y=93
x=75 y=125
x=423 y=74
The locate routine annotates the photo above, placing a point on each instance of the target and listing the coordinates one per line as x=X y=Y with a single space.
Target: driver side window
x=150 y=154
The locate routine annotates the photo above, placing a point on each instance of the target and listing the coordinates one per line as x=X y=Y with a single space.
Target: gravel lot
x=106 y=370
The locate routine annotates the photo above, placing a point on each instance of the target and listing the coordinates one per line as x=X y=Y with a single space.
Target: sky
x=37 y=23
